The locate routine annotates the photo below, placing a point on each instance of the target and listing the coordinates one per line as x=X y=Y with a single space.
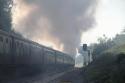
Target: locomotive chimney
x=84 y=47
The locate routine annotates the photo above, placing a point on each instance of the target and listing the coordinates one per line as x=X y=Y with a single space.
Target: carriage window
x=17 y=43
x=21 y=45
x=1 y=39
x=6 y=40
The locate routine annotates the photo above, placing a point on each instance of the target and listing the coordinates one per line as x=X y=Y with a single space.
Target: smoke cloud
x=59 y=23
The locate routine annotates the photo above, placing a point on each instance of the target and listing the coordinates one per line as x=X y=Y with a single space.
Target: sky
x=65 y=24
x=110 y=20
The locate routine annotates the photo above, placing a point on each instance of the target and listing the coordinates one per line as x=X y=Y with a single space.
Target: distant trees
x=123 y=30
x=5 y=14
x=119 y=39
x=109 y=61
x=103 y=45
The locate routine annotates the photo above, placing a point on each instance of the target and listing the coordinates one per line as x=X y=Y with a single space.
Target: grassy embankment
x=109 y=68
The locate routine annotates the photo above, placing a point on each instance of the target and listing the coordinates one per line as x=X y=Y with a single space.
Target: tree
x=103 y=45
x=5 y=14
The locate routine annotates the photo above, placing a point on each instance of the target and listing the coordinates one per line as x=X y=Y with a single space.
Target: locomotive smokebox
x=84 y=47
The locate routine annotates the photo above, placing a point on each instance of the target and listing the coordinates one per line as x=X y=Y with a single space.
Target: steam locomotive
x=18 y=51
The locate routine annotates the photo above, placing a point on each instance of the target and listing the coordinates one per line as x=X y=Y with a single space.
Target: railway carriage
x=16 y=50
x=5 y=47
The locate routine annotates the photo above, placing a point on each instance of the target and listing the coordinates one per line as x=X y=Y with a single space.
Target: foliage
x=109 y=61
x=119 y=39
x=114 y=45
x=102 y=46
x=106 y=69
x=5 y=14
x=117 y=49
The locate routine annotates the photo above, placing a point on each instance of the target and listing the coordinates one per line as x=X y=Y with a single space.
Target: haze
x=64 y=24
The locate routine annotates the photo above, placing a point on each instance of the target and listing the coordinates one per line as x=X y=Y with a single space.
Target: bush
x=106 y=69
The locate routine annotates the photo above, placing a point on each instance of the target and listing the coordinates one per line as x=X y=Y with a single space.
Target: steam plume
x=60 y=22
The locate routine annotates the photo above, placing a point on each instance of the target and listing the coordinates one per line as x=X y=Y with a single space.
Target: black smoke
x=67 y=19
